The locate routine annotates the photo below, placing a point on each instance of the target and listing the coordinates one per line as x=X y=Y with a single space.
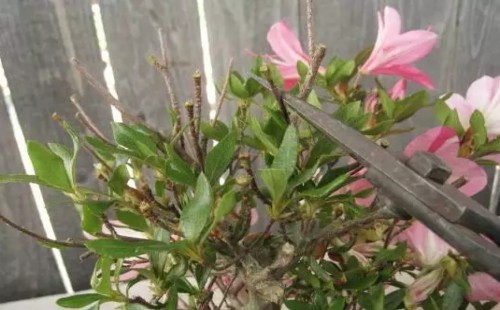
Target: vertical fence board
x=131 y=33
x=38 y=39
x=476 y=54
x=236 y=28
x=28 y=269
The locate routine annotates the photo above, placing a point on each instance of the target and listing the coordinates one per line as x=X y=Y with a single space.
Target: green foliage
x=196 y=213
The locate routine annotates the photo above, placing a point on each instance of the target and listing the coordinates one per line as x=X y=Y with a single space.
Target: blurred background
x=114 y=38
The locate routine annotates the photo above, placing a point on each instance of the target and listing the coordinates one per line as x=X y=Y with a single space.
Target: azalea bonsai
x=178 y=208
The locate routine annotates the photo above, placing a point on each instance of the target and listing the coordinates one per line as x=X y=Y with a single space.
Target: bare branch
x=310 y=26
x=306 y=87
x=196 y=145
x=276 y=92
x=86 y=120
x=223 y=91
x=197 y=102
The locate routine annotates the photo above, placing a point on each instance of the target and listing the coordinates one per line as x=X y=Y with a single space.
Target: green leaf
x=491 y=147
x=91 y=222
x=410 y=105
x=172 y=299
x=79 y=301
x=390 y=255
x=119 y=178
x=196 y=213
x=49 y=167
x=342 y=72
x=124 y=249
x=132 y=220
x=178 y=170
x=301 y=178
x=66 y=155
x=314 y=100
x=216 y=132
x=453 y=296
x=237 y=86
x=286 y=157
x=275 y=181
x=219 y=157
x=388 y=105
x=337 y=304
x=262 y=137
x=302 y=69
x=394 y=300
x=298 y=305
x=442 y=111
x=379 y=128
x=322 y=149
x=134 y=139
x=477 y=123
x=377 y=297
x=453 y=121
x=225 y=206
x=328 y=188
x=22 y=178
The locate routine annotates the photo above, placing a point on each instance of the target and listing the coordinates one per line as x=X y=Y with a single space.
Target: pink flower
x=443 y=142
x=427 y=247
x=288 y=50
x=397 y=92
x=483 y=287
x=423 y=287
x=483 y=95
x=394 y=52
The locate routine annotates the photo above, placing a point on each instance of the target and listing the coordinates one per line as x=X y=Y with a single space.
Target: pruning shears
x=414 y=187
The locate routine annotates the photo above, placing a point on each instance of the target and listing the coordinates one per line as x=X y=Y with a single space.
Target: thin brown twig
x=198 y=101
x=40 y=238
x=86 y=120
x=317 y=57
x=276 y=92
x=101 y=89
x=226 y=291
x=141 y=301
x=223 y=92
x=192 y=126
x=310 y=26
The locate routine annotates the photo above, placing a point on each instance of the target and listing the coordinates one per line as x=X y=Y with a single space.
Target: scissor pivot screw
x=429 y=166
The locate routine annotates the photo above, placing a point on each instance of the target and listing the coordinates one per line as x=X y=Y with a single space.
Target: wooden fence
x=39 y=37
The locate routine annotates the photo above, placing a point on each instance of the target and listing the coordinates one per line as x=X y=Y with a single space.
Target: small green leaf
x=219 y=157
x=388 y=105
x=453 y=296
x=299 y=305
x=477 y=123
x=79 y=301
x=328 y=188
x=301 y=178
x=286 y=157
x=119 y=178
x=237 y=86
x=394 y=300
x=101 y=278
x=453 y=121
x=178 y=170
x=172 y=299
x=390 y=255
x=491 y=147
x=377 y=297
x=123 y=249
x=314 y=100
x=132 y=220
x=134 y=139
x=91 y=222
x=343 y=72
x=337 y=304
x=216 y=132
x=262 y=137
x=196 y=213
x=442 y=111
x=275 y=181
x=410 y=105
x=66 y=155
x=302 y=69
x=23 y=178
x=379 y=128
x=49 y=167
x=225 y=206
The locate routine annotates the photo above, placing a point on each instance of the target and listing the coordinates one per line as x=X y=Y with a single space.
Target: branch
x=226 y=291
x=86 y=120
x=40 y=238
x=276 y=92
x=101 y=89
x=192 y=126
x=197 y=102
x=310 y=26
x=317 y=57
x=140 y=301
x=223 y=91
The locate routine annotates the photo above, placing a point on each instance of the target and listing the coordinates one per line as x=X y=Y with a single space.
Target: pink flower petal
x=476 y=177
x=285 y=43
x=398 y=90
x=479 y=93
x=407 y=72
x=425 y=285
x=409 y=47
x=431 y=140
x=464 y=110
x=483 y=287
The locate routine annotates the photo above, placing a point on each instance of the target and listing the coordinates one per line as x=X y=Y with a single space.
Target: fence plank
x=38 y=39
x=28 y=269
x=234 y=30
x=131 y=33
x=475 y=55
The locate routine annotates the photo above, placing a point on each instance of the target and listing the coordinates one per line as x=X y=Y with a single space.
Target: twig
x=276 y=92
x=141 y=301
x=317 y=57
x=68 y=244
x=334 y=229
x=197 y=102
x=110 y=227
x=223 y=92
x=168 y=82
x=86 y=120
x=310 y=26
x=196 y=145
x=226 y=291
x=101 y=89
